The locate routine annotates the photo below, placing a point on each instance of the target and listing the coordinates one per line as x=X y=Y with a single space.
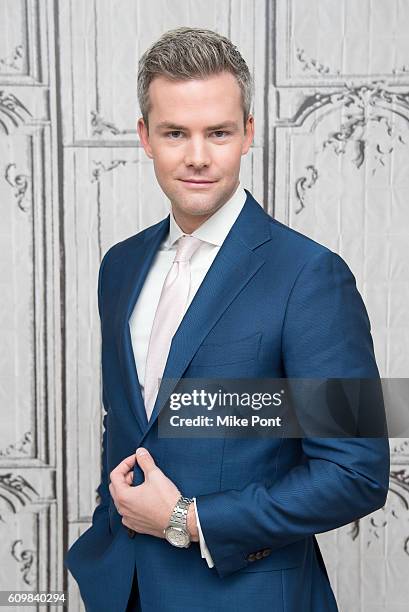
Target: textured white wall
x=329 y=159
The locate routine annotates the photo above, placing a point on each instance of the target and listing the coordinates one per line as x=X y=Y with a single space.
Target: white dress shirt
x=213 y=232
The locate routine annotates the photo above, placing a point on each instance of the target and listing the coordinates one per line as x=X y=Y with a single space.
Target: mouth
x=195 y=183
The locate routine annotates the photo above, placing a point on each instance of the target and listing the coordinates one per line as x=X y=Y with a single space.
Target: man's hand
x=146 y=508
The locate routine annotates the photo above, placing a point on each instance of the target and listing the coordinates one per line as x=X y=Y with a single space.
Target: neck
x=189 y=223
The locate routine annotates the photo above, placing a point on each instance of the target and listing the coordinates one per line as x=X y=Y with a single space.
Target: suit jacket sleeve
x=326 y=333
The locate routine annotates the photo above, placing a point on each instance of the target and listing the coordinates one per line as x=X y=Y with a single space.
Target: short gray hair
x=189 y=53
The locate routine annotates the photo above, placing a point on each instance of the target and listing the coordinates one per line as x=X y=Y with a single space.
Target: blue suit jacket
x=274 y=303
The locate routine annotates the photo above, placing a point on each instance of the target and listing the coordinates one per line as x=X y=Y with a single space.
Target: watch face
x=177 y=536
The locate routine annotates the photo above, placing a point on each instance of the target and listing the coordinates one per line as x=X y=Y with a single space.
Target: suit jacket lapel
x=136 y=267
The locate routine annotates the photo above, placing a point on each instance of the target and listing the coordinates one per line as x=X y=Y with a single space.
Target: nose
x=196 y=154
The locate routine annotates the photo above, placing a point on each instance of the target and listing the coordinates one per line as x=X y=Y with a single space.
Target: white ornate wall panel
x=31 y=475
x=330 y=159
x=24 y=57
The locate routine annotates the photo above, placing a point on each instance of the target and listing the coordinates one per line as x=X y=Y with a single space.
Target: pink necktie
x=169 y=313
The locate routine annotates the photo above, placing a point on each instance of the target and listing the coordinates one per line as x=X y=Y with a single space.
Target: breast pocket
x=226 y=353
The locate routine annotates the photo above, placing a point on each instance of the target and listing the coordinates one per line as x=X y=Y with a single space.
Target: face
x=196 y=139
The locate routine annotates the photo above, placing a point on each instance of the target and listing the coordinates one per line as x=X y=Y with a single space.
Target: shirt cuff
x=204 y=551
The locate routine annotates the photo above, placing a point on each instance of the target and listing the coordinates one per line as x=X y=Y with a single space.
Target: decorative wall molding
x=397 y=507
x=363 y=98
x=313 y=65
x=14 y=60
x=16 y=492
x=99 y=125
x=400 y=449
x=362 y=105
x=26 y=558
x=20 y=183
x=12 y=112
x=304 y=183
x=378 y=522
x=100 y=168
x=399 y=485
x=399 y=71
x=21 y=447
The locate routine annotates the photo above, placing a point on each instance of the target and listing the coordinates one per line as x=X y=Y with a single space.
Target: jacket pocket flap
x=243 y=349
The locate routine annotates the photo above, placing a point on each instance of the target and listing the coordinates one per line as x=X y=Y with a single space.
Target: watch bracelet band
x=178 y=517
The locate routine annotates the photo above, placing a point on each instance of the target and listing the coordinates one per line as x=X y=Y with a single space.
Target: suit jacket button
x=131 y=532
x=259 y=554
x=251 y=557
x=266 y=552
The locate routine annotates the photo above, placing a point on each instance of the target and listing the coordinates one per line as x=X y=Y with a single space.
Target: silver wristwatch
x=176 y=532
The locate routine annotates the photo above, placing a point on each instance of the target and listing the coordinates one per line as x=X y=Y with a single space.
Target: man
x=218 y=289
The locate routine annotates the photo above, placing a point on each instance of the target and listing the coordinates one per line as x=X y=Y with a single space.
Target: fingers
x=129 y=478
x=145 y=460
x=119 y=473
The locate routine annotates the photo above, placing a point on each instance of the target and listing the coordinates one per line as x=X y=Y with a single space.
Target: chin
x=196 y=205
x=196 y=211
x=203 y=207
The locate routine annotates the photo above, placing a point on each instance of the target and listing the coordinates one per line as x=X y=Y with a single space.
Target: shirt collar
x=216 y=227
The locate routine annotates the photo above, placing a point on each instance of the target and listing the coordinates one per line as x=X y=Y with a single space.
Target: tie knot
x=187 y=245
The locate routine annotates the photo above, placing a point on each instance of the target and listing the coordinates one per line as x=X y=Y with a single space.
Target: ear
x=144 y=137
x=249 y=135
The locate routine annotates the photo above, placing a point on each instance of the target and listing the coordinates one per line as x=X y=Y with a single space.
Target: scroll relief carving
x=15 y=493
x=402 y=70
x=21 y=447
x=20 y=183
x=100 y=168
x=26 y=559
x=13 y=113
x=310 y=64
x=397 y=507
x=362 y=106
x=400 y=449
x=14 y=61
x=100 y=125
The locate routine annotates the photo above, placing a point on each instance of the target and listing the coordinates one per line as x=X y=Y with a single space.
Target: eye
x=220 y=133
x=173 y=135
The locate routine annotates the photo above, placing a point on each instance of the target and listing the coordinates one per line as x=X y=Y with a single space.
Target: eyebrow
x=174 y=126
